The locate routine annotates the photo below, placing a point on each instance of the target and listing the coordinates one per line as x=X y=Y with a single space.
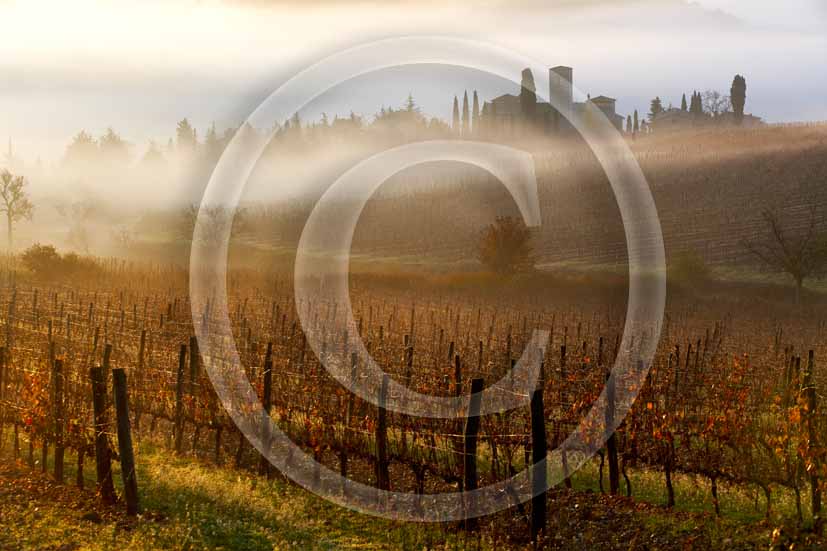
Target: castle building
x=607 y=106
x=503 y=115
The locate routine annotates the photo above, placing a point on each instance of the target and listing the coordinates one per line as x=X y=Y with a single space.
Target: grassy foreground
x=192 y=504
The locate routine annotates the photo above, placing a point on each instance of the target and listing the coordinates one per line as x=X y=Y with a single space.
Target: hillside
x=710 y=188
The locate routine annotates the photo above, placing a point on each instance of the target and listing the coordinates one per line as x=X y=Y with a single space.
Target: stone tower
x=561 y=80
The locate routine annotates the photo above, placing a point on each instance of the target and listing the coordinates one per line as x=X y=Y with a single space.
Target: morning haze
x=579 y=305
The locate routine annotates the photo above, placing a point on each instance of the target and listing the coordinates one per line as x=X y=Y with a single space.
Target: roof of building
x=507 y=104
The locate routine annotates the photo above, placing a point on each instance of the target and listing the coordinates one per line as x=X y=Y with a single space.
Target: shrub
x=42 y=260
x=75 y=266
x=46 y=263
x=505 y=247
x=688 y=268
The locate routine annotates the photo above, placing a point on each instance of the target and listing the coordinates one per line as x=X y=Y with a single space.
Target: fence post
x=103 y=456
x=382 y=475
x=130 y=482
x=539 y=449
x=179 y=399
x=472 y=427
x=58 y=419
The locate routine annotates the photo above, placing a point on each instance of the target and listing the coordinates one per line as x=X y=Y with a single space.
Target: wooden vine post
x=669 y=445
x=130 y=481
x=142 y=349
x=267 y=403
x=809 y=414
x=139 y=377
x=611 y=443
x=348 y=416
x=103 y=455
x=2 y=394
x=57 y=379
x=382 y=476
x=10 y=322
x=192 y=388
x=564 y=402
x=193 y=378
x=472 y=428
x=179 y=399
x=44 y=450
x=539 y=450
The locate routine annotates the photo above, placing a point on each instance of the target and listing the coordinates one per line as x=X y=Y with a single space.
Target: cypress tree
x=485 y=120
x=455 y=120
x=628 y=124
x=683 y=103
x=738 y=97
x=655 y=109
x=636 y=124
x=476 y=114
x=528 y=97
x=696 y=107
x=466 y=119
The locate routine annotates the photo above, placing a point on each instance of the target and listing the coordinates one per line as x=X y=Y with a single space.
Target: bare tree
x=716 y=103
x=15 y=201
x=79 y=215
x=801 y=254
x=214 y=223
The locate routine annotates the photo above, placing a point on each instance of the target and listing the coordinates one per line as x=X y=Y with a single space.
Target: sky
x=140 y=66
